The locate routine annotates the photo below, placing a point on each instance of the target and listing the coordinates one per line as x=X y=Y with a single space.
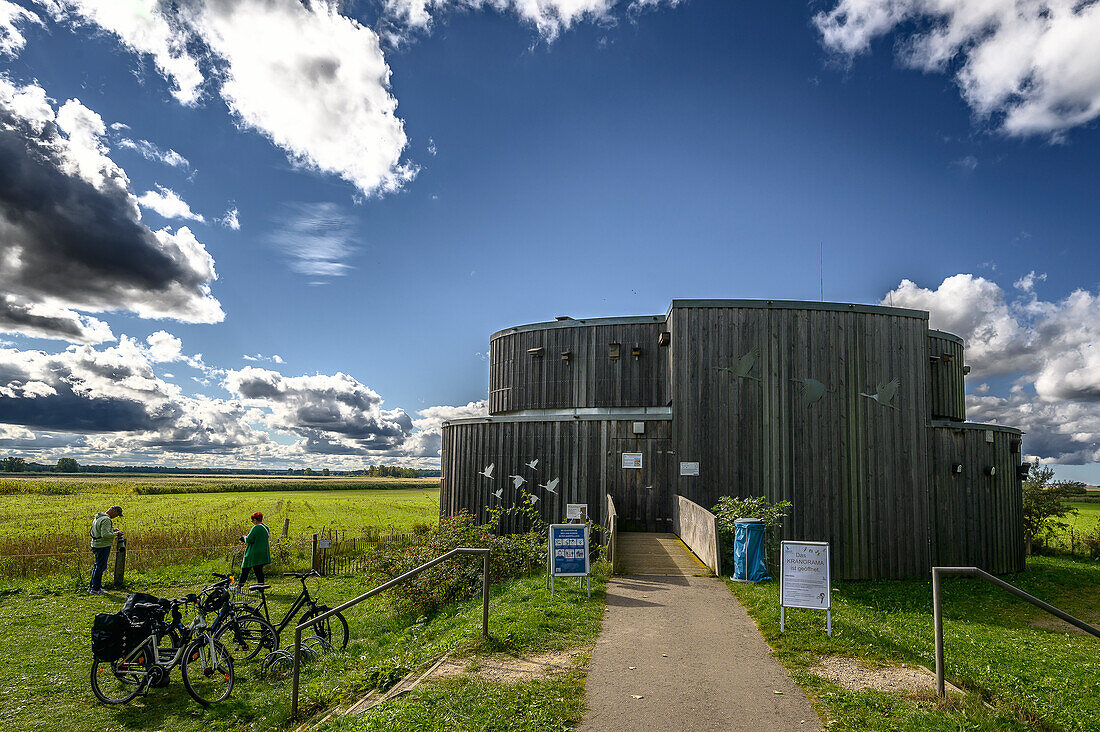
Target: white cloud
x=12 y=40
x=1030 y=65
x=318 y=238
x=149 y=151
x=1051 y=348
x=1027 y=282
x=168 y=204
x=432 y=150
x=231 y=219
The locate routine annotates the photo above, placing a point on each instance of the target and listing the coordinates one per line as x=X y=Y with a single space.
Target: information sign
x=804 y=579
x=324 y=543
x=578 y=511
x=632 y=460
x=689 y=468
x=569 y=552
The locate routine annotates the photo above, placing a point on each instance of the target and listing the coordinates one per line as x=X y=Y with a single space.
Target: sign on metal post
x=804 y=579
x=569 y=553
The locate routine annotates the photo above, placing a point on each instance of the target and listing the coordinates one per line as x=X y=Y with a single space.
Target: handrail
x=395 y=581
x=612 y=536
x=937 y=609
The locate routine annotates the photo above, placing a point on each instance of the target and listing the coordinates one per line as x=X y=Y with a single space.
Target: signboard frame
x=552 y=566
x=689 y=467
x=632 y=461
x=826 y=604
x=577 y=511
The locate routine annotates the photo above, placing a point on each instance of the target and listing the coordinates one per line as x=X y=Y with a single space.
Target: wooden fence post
x=314 y=557
x=120 y=561
x=286 y=525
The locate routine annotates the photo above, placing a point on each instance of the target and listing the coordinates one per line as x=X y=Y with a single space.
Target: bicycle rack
x=381 y=588
x=937 y=608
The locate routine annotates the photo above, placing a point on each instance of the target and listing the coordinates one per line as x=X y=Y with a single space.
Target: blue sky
x=536 y=163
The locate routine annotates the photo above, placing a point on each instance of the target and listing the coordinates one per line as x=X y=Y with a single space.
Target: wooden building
x=854 y=413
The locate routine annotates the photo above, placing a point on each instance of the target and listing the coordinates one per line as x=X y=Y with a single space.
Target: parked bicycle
x=332 y=631
x=125 y=668
x=240 y=628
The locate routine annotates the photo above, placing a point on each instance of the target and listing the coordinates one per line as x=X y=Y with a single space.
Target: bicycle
x=241 y=629
x=323 y=630
x=205 y=664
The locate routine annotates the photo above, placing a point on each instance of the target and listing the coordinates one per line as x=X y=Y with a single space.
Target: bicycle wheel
x=116 y=682
x=333 y=629
x=207 y=670
x=247 y=635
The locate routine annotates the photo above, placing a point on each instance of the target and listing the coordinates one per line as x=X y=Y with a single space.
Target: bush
x=1092 y=541
x=729 y=509
x=511 y=556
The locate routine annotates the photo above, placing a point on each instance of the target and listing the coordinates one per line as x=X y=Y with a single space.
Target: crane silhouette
x=812 y=389
x=742 y=366
x=884 y=393
x=499 y=493
x=517 y=480
x=488 y=472
x=533 y=464
x=551 y=487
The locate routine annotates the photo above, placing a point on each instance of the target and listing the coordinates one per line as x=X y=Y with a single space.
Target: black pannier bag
x=109 y=636
x=144 y=614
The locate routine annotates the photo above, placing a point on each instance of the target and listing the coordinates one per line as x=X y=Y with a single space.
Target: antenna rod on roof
x=821 y=269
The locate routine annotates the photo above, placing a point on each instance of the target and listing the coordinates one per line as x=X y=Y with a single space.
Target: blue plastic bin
x=749 y=552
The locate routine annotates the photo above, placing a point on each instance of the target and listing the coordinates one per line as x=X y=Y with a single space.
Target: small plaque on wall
x=689 y=468
x=632 y=460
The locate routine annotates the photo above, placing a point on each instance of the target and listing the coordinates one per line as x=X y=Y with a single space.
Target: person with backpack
x=103 y=538
x=257 y=550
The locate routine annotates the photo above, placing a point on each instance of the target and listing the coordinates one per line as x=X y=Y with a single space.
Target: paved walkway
x=680 y=653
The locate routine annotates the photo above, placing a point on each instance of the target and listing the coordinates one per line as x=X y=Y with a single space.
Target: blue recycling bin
x=749 y=551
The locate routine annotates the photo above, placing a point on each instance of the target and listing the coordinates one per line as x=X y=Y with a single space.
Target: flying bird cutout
x=812 y=389
x=742 y=366
x=517 y=480
x=551 y=487
x=884 y=393
x=499 y=493
x=534 y=464
x=488 y=472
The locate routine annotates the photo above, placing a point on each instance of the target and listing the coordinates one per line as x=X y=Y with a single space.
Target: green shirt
x=256 y=550
x=103 y=531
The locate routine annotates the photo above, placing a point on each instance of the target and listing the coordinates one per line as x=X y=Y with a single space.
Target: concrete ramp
x=658 y=555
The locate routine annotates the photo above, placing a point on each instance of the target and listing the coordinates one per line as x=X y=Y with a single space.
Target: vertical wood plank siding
x=979 y=518
x=945 y=354
x=871 y=478
x=519 y=380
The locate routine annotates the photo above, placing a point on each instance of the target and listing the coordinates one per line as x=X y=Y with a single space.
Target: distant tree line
x=13 y=464
x=19 y=465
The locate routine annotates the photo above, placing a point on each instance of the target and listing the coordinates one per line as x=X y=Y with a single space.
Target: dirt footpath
x=681 y=653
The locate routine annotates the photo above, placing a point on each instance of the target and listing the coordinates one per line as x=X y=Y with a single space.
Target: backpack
x=109 y=636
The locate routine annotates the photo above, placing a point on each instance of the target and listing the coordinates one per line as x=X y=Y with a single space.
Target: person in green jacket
x=257 y=550
x=103 y=538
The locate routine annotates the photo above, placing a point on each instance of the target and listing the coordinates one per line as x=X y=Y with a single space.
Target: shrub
x=1092 y=541
x=1044 y=503
x=729 y=509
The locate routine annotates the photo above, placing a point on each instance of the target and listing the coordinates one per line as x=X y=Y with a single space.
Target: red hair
x=257 y=516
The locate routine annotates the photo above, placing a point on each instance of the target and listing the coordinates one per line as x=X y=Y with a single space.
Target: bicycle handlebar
x=303 y=575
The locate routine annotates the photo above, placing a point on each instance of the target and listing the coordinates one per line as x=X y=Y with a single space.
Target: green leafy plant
x=729 y=509
x=1045 y=503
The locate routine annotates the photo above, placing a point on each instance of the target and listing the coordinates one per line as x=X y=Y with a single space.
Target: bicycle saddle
x=258 y=588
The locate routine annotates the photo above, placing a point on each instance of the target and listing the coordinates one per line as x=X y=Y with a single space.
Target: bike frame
x=301 y=601
x=153 y=641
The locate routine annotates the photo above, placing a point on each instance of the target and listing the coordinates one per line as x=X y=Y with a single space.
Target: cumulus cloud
x=317 y=238
x=149 y=151
x=1050 y=348
x=71 y=238
x=231 y=219
x=12 y=16
x=1032 y=66
x=168 y=204
x=312 y=80
x=427 y=440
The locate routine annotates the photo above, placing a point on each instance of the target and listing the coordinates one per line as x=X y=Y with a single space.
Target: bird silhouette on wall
x=551 y=487
x=499 y=493
x=534 y=464
x=884 y=393
x=742 y=366
x=488 y=472
x=534 y=498
x=517 y=480
x=812 y=389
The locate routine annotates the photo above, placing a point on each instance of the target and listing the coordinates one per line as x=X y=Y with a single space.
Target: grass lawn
x=44 y=684
x=1088 y=514
x=1015 y=658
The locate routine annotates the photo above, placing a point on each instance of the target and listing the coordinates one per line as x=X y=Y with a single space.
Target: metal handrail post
x=382 y=588
x=937 y=609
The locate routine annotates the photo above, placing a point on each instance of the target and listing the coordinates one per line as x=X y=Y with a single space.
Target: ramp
x=657 y=555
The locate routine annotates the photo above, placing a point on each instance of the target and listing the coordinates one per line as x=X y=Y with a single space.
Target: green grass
x=997 y=648
x=73 y=483
x=1088 y=514
x=44 y=684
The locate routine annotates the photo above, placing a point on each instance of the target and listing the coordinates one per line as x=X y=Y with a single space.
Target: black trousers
x=258 y=569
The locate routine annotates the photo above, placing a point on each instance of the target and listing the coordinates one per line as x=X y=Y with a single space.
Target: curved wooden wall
x=978 y=517
x=589 y=378
x=945 y=368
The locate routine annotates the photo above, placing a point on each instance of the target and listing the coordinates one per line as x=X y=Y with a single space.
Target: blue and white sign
x=569 y=550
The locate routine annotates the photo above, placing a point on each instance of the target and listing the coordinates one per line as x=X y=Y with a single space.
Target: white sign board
x=689 y=468
x=632 y=460
x=804 y=578
x=576 y=511
x=324 y=543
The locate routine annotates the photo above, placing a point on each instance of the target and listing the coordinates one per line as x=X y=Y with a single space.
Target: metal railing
x=937 y=608
x=381 y=588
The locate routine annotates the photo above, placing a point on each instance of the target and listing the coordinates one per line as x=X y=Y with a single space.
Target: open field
x=1088 y=514
x=136 y=483
x=1005 y=653
x=44 y=685
x=170 y=529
